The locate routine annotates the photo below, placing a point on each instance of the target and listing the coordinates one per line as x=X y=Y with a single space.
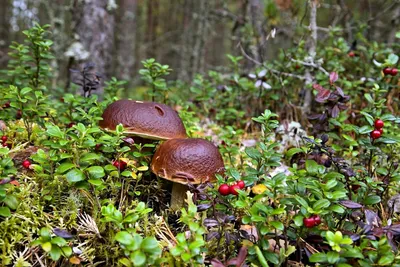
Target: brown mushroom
x=148 y=120
x=186 y=161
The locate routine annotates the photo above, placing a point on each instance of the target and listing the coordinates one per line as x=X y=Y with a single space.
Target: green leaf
x=96 y=172
x=298 y=220
x=252 y=153
x=339 y=194
x=293 y=151
x=392 y=59
x=372 y=199
x=332 y=256
x=125 y=262
x=149 y=244
x=54 y=131
x=45 y=232
x=25 y=90
x=96 y=182
x=277 y=225
x=89 y=157
x=364 y=129
x=138 y=258
x=311 y=166
x=301 y=201
x=369 y=98
x=321 y=204
x=124 y=238
x=318 y=257
x=5 y=211
x=337 y=208
x=368 y=117
x=386 y=259
x=55 y=253
x=75 y=175
x=67 y=251
x=46 y=246
x=271 y=257
x=11 y=201
x=65 y=167
x=59 y=241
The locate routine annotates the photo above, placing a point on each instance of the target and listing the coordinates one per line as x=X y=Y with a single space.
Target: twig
x=272 y=70
x=247 y=56
x=311 y=64
x=288 y=74
x=39 y=260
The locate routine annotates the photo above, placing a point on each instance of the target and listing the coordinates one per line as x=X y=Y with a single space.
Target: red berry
x=7 y=105
x=309 y=222
x=9 y=145
x=4 y=138
x=351 y=54
x=394 y=72
x=381 y=130
x=224 y=189
x=379 y=124
x=26 y=163
x=375 y=134
x=233 y=189
x=355 y=187
x=387 y=71
x=19 y=114
x=120 y=164
x=69 y=125
x=317 y=219
x=98 y=147
x=241 y=184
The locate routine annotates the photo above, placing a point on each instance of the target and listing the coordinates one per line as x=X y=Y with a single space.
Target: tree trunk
x=312 y=46
x=4 y=32
x=94 y=29
x=151 y=28
x=256 y=15
x=126 y=38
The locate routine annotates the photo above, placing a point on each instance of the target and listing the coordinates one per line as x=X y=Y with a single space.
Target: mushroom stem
x=178 y=196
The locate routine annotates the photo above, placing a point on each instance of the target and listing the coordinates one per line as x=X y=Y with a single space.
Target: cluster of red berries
x=4 y=142
x=314 y=220
x=390 y=71
x=378 y=131
x=120 y=165
x=26 y=163
x=225 y=189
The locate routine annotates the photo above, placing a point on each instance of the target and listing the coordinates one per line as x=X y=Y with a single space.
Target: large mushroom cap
x=190 y=160
x=145 y=119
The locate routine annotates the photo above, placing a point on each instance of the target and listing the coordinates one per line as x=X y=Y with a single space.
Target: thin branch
x=272 y=70
x=39 y=260
x=311 y=64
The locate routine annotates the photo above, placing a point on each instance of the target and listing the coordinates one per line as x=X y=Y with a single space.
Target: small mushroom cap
x=145 y=119
x=190 y=160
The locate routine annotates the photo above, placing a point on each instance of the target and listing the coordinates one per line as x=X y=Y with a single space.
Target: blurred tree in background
x=191 y=36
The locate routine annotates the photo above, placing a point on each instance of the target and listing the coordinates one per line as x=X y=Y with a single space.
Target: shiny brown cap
x=190 y=160
x=146 y=119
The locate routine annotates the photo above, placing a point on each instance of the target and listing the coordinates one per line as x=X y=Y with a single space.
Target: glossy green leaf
x=75 y=175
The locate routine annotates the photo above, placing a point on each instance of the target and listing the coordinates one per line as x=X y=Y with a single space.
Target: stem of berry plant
x=370 y=161
x=338 y=168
